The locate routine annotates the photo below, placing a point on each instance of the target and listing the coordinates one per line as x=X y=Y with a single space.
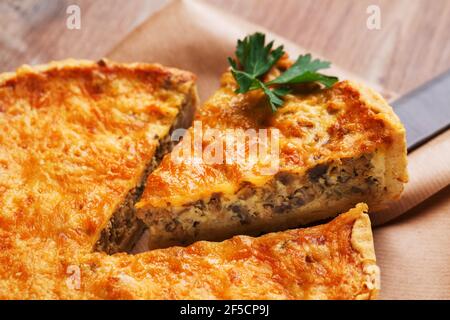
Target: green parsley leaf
x=305 y=70
x=255 y=58
x=245 y=80
x=274 y=96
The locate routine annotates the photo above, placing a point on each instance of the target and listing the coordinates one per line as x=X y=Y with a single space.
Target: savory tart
x=336 y=147
x=330 y=261
x=77 y=141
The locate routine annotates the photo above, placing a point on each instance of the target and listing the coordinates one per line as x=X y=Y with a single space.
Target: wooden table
x=412 y=46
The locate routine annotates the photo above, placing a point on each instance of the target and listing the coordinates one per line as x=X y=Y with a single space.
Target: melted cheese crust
x=345 y=121
x=330 y=261
x=75 y=138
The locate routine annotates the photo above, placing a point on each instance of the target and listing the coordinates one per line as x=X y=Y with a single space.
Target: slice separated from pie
x=325 y=150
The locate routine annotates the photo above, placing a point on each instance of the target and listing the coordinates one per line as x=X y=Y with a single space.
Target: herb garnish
x=255 y=58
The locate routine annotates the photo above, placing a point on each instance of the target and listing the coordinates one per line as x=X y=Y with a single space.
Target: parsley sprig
x=255 y=58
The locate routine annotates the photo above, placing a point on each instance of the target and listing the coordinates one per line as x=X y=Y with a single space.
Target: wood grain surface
x=34 y=31
x=412 y=46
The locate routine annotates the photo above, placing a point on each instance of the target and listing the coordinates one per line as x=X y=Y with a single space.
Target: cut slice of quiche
x=333 y=148
x=77 y=141
x=330 y=261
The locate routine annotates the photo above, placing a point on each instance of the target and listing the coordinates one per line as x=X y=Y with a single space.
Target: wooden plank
x=412 y=46
x=413 y=33
x=34 y=31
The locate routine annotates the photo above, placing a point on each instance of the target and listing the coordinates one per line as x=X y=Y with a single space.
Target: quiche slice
x=77 y=141
x=330 y=261
x=333 y=148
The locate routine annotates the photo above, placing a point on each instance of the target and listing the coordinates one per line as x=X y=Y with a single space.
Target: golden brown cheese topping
x=345 y=121
x=331 y=261
x=74 y=139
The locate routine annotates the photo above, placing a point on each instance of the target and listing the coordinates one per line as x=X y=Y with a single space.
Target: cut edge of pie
x=96 y=109
x=125 y=228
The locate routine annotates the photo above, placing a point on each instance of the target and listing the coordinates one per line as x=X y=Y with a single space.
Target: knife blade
x=425 y=111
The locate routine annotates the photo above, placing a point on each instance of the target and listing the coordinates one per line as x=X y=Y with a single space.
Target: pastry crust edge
x=396 y=173
x=362 y=242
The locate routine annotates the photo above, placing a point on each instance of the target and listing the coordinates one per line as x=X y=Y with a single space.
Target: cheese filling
x=286 y=201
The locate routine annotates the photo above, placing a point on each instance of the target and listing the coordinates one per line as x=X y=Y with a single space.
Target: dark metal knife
x=425 y=111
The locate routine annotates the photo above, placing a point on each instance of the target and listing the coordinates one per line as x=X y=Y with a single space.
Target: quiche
x=77 y=141
x=333 y=148
x=331 y=261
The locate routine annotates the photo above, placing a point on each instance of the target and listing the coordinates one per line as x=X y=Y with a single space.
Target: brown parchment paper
x=413 y=251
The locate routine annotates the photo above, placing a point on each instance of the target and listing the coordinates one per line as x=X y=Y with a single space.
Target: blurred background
x=413 y=38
